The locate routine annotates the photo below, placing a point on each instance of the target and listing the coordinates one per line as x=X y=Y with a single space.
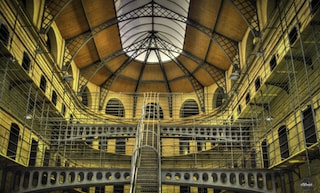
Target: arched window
x=52 y=44
x=63 y=109
x=257 y=83
x=239 y=109
x=151 y=111
x=85 y=96
x=309 y=128
x=273 y=62
x=218 y=98
x=13 y=141
x=33 y=153
x=115 y=107
x=43 y=83
x=283 y=142
x=293 y=35
x=54 y=97
x=189 y=108
x=248 y=98
x=250 y=45
x=265 y=153
x=26 y=62
x=4 y=34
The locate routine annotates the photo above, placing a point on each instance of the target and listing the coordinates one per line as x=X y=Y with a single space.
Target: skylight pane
x=155 y=25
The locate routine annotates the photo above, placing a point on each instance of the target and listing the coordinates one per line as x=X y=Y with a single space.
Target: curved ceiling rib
x=152 y=27
x=248 y=11
x=216 y=73
x=100 y=65
x=93 y=42
x=198 y=87
x=75 y=44
x=51 y=11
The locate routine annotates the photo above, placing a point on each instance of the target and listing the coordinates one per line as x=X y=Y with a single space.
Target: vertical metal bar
x=25 y=119
x=32 y=120
x=5 y=74
x=316 y=40
x=307 y=75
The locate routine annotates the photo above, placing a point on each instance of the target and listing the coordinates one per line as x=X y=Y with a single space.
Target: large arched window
x=115 y=107
x=218 y=98
x=151 y=111
x=52 y=43
x=85 y=93
x=189 y=108
x=283 y=142
x=4 y=34
x=13 y=141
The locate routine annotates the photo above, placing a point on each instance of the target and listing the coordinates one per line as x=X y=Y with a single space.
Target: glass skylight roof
x=152 y=31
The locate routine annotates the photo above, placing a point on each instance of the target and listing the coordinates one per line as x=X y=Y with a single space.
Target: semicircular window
x=115 y=107
x=189 y=108
x=218 y=98
x=152 y=111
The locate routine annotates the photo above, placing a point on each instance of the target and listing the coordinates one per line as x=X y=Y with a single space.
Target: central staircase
x=146 y=163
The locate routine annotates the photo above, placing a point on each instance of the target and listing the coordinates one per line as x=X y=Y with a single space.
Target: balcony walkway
x=58 y=178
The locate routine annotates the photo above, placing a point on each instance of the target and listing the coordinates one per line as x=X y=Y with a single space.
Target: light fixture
x=259 y=54
x=234 y=75
x=66 y=66
x=38 y=50
x=13 y=59
x=28 y=116
x=269 y=118
x=67 y=77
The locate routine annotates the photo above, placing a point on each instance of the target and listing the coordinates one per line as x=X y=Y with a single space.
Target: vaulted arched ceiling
x=138 y=49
